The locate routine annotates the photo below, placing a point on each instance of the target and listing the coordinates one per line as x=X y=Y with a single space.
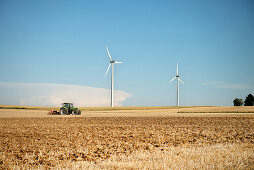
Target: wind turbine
x=178 y=79
x=112 y=62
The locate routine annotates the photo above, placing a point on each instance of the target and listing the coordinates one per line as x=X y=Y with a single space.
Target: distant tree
x=238 y=102
x=249 y=101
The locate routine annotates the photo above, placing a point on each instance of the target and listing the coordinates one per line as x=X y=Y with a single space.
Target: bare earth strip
x=147 y=138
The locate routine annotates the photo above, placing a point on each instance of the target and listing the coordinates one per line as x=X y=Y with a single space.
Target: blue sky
x=63 y=43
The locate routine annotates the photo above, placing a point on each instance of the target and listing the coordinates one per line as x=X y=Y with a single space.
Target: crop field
x=155 y=138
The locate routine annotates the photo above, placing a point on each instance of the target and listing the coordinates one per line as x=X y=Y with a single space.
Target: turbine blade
x=107 y=69
x=172 y=79
x=177 y=69
x=118 y=62
x=181 y=81
x=108 y=54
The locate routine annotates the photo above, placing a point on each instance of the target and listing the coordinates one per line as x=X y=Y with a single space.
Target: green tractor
x=67 y=109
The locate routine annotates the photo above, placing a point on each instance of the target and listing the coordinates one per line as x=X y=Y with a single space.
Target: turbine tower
x=112 y=62
x=178 y=79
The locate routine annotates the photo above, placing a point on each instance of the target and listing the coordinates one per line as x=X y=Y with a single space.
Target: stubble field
x=157 y=138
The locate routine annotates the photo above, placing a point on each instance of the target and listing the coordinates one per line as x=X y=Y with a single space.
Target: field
x=128 y=138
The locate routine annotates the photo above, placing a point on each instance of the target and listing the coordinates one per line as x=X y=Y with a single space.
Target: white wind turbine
x=178 y=79
x=112 y=62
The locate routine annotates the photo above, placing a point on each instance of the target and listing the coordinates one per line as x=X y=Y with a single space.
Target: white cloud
x=234 y=86
x=47 y=94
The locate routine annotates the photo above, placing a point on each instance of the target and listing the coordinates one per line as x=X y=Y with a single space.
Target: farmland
x=128 y=138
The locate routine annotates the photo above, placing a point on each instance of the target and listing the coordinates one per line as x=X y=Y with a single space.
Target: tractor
x=67 y=109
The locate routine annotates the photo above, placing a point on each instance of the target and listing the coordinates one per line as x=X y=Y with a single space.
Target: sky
x=54 y=51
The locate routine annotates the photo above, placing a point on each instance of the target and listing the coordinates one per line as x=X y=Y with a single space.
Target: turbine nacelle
x=115 y=62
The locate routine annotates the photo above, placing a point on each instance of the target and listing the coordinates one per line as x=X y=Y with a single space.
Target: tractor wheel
x=73 y=112
x=79 y=112
x=64 y=111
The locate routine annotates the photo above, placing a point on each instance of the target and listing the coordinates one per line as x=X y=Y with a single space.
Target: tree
x=249 y=101
x=238 y=102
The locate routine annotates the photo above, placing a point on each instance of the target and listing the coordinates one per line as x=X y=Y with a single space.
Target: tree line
x=249 y=101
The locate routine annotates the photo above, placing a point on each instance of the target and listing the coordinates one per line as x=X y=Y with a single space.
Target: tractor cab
x=67 y=105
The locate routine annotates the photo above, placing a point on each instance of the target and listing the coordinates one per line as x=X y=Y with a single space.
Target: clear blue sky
x=63 y=42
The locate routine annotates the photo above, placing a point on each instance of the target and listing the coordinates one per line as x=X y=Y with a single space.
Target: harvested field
x=166 y=111
x=170 y=140
x=189 y=109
